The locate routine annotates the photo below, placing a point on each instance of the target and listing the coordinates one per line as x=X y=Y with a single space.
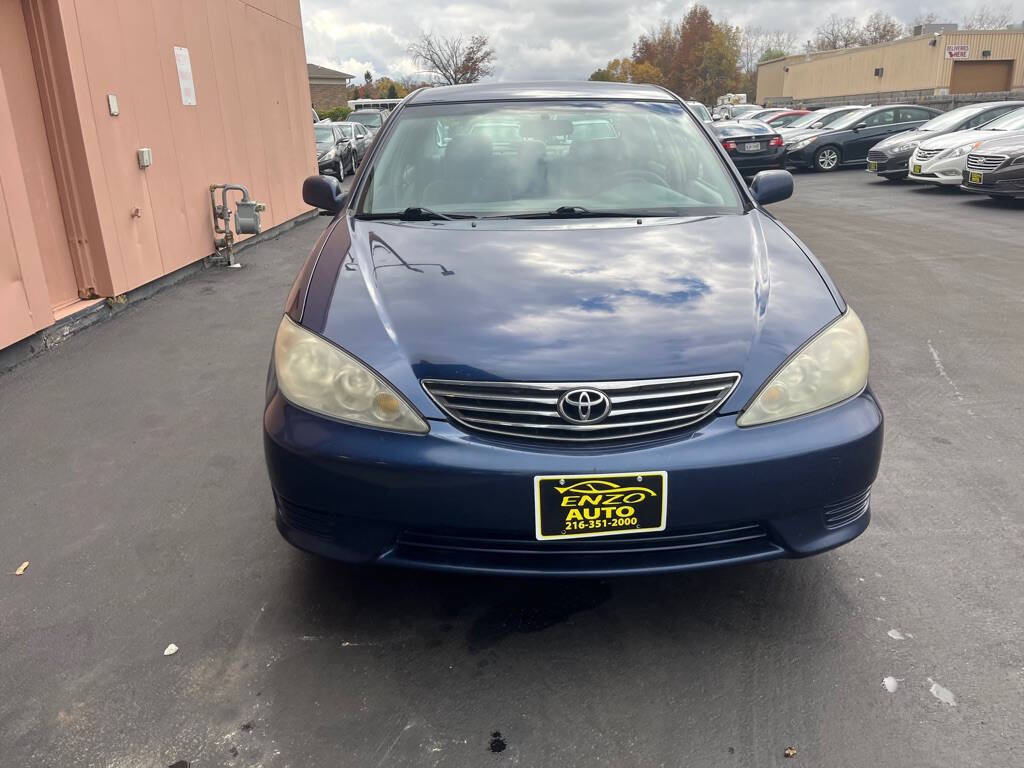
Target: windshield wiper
x=415 y=213
x=570 y=212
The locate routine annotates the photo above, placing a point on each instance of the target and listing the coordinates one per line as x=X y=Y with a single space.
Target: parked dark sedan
x=340 y=147
x=996 y=168
x=847 y=141
x=752 y=145
x=890 y=158
x=564 y=356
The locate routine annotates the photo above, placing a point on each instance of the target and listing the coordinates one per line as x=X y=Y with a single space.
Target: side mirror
x=818 y=124
x=323 y=192
x=772 y=186
x=858 y=126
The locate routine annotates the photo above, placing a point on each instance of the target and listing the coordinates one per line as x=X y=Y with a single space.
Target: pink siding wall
x=250 y=126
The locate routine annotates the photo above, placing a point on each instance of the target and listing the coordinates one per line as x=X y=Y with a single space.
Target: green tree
x=696 y=31
x=392 y=92
x=718 y=68
x=627 y=71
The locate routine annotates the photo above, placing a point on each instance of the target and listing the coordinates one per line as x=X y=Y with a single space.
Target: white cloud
x=557 y=39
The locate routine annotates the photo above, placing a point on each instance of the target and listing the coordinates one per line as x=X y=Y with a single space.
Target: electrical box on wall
x=112 y=105
x=145 y=156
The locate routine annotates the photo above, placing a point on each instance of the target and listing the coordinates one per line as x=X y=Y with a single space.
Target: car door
x=877 y=126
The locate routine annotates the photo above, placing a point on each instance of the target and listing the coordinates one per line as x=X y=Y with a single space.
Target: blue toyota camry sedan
x=551 y=331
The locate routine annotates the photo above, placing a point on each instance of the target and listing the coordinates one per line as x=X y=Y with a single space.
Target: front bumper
x=1006 y=182
x=942 y=171
x=328 y=167
x=453 y=501
x=801 y=158
x=888 y=165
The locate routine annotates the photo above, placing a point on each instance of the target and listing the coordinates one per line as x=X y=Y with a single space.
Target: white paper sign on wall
x=184 y=64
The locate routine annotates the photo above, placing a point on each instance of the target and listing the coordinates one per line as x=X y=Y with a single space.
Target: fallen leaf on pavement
x=21 y=568
x=170 y=650
x=790 y=752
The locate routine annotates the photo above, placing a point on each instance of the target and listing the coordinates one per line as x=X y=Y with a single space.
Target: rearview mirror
x=772 y=186
x=323 y=192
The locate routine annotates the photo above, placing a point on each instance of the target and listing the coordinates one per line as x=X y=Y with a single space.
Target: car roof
x=584 y=89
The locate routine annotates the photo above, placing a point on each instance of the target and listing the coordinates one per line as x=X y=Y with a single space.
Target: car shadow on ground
x=372 y=604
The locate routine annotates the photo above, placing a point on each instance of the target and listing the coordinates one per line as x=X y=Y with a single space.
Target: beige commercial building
x=116 y=116
x=938 y=63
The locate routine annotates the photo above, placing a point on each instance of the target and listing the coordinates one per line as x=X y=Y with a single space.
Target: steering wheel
x=635 y=174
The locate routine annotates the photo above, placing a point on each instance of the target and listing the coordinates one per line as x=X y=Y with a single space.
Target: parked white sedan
x=942 y=160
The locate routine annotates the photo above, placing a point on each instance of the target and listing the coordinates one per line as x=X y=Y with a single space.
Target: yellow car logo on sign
x=599 y=505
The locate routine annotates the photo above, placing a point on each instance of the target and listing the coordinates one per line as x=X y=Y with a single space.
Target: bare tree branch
x=454 y=60
x=987 y=16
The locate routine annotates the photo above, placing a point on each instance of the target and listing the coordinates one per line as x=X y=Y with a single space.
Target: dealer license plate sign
x=582 y=506
x=975 y=177
x=917 y=169
x=872 y=166
x=753 y=146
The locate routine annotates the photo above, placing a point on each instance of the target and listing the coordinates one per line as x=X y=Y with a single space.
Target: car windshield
x=700 y=110
x=371 y=119
x=814 y=117
x=745 y=128
x=1013 y=121
x=346 y=131
x=324 y=134
x=952 y=118
x=851 y=119
x=629 y=158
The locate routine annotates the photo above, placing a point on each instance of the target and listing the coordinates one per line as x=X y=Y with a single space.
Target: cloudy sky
x=558 y=39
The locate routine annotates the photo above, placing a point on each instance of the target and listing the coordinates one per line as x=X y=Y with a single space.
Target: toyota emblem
x=584 y=406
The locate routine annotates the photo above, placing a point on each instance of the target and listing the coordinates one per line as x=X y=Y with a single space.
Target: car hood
x=803 y=133
x=1011 y=145
x=580 y=301
x=959 y=138
x=914 y=134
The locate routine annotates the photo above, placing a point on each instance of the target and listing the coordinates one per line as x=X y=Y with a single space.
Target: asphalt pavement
x=132 y=479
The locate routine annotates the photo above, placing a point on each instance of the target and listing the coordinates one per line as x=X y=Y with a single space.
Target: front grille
x=846 y=510
x=984 y=162
x=502 y=552
x=874 y=156
x=921 y=155
x=530 y=411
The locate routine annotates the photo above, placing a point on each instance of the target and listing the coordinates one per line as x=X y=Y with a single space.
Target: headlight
x=316 y=375
x=830 y=368
x=802 y=143
x=910 y=145
x=960 y=151
x=330 y=154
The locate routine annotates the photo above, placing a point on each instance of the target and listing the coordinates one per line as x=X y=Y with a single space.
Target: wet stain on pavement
x=534 y=610
x=497 y=743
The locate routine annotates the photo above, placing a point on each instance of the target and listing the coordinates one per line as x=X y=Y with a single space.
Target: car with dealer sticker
x=890 y=158
x=941 y=161
x=996 y=168
x=559 y=355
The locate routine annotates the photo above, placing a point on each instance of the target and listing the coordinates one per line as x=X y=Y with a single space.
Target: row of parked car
x=340 y=146
x=978 y=147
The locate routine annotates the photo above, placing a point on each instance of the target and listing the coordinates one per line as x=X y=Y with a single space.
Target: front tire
x=826 y=159
x=352 y=163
